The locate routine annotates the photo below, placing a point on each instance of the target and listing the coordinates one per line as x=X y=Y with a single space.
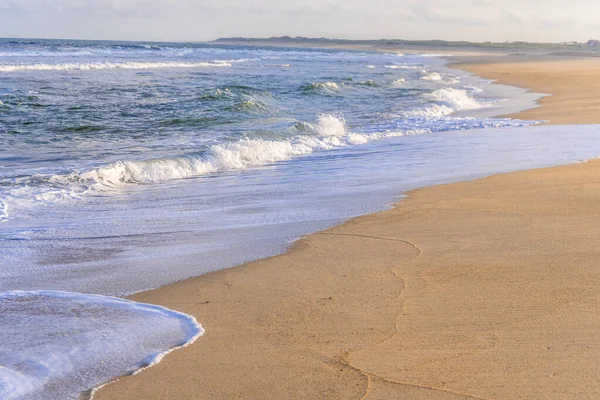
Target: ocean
x=127 y=166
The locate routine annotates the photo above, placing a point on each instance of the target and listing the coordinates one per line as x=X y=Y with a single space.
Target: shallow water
x=54 y=345
x=126 y=166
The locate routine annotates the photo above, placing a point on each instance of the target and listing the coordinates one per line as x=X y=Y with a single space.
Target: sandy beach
x=486 y=289
x=573 y=85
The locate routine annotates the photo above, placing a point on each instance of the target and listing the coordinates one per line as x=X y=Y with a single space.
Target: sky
x=201 y=20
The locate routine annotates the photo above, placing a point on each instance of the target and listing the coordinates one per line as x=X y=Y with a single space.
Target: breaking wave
x=409 y=67
x=109 y=65
x=443 y=102
x=434 y=76
x=457 y=99
x=329 y=132
x=324 y=86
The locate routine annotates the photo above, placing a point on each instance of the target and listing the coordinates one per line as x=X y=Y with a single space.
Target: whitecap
x=108 y=65
x=327 y=86
x=434 y=76
x=457 y=99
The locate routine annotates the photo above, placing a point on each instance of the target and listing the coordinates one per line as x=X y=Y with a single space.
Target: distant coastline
x=587 y=47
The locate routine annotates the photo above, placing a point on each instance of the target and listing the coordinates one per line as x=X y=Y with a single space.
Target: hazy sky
x=475 y=20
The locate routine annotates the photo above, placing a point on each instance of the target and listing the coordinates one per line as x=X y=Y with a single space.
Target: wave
x=431 y=55
x=218 y=94
x=239 y=99
x=249 y=104
x=70 y=51
x=325 y=86
x=55 y=53
x=329 y=132
x=445 y=101
x=430 y=111
x=109 y=65
x=402 y=66
x=3 y=211
x=434 y=76
x=458 y=99
x=439 y=78
x=368 y=82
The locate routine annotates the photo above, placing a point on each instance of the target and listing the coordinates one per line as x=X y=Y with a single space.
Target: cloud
x=108 y=8
x=479 y=20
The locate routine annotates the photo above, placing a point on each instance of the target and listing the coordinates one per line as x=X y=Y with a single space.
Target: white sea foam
x=433 y=55
x=108 y=65
x=430 y=111
x=434 y=76
x=371 y=66
x=474 y=89
x=403 y=66
x=55 y=345
x=444 y=102
x=457 y=99
x=237 y=60
x=327 y=86
x=3 y=211
x=439 y=77
x=400 y=82
x=100 y=51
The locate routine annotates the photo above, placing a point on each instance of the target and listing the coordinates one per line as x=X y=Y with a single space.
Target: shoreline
x=328 y=314
x=574 y=102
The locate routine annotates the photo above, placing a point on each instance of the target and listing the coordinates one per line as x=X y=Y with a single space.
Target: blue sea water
x=126 y=166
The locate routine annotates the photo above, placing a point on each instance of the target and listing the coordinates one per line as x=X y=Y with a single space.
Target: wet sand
x=486 y=289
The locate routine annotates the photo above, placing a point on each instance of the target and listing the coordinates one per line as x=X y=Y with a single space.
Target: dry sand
x=574 y=86
x=487 y=289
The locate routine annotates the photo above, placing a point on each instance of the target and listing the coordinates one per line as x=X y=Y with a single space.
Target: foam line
x=108 y=65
